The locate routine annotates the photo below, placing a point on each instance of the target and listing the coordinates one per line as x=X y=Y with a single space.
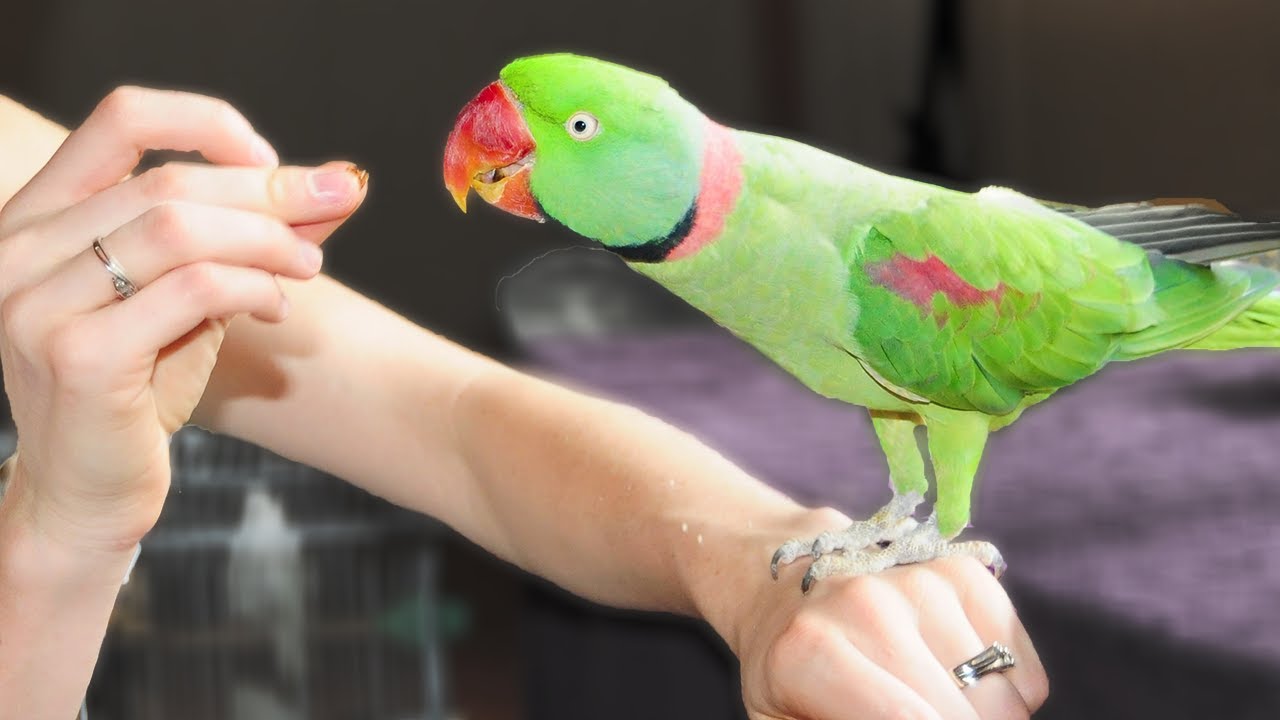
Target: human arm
x=29 y=140
x=346 y=385
x=55 y=600
x=602 y=499
x=97 y=385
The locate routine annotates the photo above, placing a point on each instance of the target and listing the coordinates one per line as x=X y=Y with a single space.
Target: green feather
x=637 y=178
x=1036 y=299
x=1209 y=308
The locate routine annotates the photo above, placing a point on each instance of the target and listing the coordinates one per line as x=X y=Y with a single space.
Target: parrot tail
x=1220 y=307
x=1257 y=326
x=1197 y=231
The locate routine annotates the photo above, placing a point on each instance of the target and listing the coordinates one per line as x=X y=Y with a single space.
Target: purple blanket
x=1148 y=494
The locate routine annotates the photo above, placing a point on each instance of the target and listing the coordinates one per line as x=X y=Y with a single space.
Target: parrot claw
x=995 y=561
x=786 y=554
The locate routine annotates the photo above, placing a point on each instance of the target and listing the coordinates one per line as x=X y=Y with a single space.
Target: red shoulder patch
x=920 y=280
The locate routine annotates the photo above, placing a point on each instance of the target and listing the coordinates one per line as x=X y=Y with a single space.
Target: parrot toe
x=920 y=544
x=891 y=522
x=862 y=534
x=786 y=554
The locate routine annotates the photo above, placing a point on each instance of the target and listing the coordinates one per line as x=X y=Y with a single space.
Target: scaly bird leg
x=956 y=441
x=906 y=472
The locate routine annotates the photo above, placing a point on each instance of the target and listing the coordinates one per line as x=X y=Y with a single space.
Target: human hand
x=883 y=646
x=97 y=385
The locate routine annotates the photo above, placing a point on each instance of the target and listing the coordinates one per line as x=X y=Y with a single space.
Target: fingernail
x=332 y=185
x=264 y=153
x=312 y=256
x=362 y=175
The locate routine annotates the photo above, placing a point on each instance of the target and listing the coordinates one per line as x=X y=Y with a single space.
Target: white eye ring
x=582 y=126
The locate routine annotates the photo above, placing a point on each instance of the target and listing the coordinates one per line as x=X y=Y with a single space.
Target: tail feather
x=1193 y=232
x=1207 y=304
x=1220 y=307
x=1257 y=326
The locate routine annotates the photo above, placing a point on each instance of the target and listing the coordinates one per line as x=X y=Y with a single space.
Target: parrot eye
x=582 y=125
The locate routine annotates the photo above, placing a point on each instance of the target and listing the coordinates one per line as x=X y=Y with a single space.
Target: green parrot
x=928 y=306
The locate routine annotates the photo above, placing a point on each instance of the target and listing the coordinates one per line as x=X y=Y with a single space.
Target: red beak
x=491 y=151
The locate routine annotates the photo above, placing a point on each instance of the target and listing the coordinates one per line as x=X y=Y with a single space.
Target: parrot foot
x=890 y=522
x=922 y=544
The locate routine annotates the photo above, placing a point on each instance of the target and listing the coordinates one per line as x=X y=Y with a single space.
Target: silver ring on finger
x=996 y=658
x=125 y=288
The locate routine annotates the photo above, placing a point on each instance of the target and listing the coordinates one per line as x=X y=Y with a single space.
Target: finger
x=128 y=122
x=994 y=619
x=170 y=236
x=890 y=637
x=829 y=679
x=175 y=304
x=952 y=639
x=299 y=196
x=316 y=200
x=318 y=233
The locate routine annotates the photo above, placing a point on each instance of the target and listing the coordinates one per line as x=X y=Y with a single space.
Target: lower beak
x=491 y=151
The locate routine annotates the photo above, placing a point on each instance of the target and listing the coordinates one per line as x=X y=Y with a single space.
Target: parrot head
x=612 y=153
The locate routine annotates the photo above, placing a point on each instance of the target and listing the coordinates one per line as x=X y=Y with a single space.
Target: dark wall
x=1096 y=100
x=380 y=83
x=1080 y=100
x=1085 y=101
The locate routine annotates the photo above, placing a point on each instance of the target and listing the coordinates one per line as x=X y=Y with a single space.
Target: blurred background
x=1138 y=510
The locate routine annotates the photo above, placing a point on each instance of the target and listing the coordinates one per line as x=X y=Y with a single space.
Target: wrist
x=55 y=603
x=38 y=558
x=62 y=526
x=726 y=576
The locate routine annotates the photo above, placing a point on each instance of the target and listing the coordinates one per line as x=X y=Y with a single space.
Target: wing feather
x=1024 y=301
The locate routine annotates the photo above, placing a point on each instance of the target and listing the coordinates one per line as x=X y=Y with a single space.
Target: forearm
x=346 y=386
x=595 y=496
x=27 y=140
x=618 y=506
x=55 y=601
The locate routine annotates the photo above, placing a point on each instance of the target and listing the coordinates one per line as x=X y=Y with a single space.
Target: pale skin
x=599 y=498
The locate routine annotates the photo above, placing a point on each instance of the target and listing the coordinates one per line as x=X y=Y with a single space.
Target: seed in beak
x=489 y=177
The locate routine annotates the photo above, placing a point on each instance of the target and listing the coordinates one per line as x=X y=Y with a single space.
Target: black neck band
x=657 y=250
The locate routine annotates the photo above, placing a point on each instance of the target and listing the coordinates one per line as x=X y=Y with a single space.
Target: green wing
x=976 y=302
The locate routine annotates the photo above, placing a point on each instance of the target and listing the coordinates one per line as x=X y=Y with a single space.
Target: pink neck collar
x=719 y=187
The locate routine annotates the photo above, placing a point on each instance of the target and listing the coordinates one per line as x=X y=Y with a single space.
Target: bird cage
x=271 y=591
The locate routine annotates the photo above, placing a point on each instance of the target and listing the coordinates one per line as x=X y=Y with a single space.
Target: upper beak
x=490 y=150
